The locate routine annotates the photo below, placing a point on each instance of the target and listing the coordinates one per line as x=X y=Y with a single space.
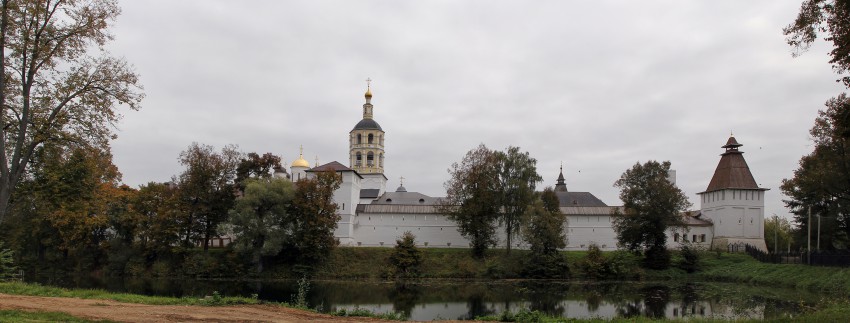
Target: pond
x=447 y=299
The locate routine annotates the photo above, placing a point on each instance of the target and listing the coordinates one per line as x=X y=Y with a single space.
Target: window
x=702 y=238
x=370 y=159
x=695 y=238
x=421 y=201
x=359 y=139
x=676 y=237
x=371 y=138
x=358 y=159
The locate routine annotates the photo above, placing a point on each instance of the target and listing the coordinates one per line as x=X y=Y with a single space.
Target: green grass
x=19 y=288
x=362 y=312
x=745 y=269
x=15 y=316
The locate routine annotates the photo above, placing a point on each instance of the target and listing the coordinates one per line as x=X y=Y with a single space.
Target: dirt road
x=128 y=312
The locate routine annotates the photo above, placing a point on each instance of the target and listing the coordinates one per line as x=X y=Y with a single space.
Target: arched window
x=381 y=139
x=359 y=139
x=381 y=160
x=371 y=138
x=359 y=160
x=370 y=159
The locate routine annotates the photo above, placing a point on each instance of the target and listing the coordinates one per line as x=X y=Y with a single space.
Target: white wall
x=584 y=230
x=436 y=230
x=735 y=213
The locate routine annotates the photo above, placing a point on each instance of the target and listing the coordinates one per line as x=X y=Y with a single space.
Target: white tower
x=734 y=202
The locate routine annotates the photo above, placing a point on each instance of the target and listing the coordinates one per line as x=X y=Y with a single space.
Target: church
x=731 y=207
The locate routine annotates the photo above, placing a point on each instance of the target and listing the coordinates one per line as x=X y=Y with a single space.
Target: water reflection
x=465 y=300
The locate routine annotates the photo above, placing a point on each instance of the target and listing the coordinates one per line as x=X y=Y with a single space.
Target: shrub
x=300 y=299
x=657 y=257
x=690 y=259
x=553 y=265
x=406 y=258
x=7 y=264
x=594 y=265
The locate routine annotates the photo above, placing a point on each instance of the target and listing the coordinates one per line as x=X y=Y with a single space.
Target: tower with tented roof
x=734 y=202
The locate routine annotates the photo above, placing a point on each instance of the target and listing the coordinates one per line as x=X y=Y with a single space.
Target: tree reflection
x=477 y=307
x=404 y=297
x=652 y=302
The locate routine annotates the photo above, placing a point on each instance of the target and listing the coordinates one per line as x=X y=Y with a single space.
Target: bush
x=547 y=266
x=624 y=265
x=160 y=268
x=7 y=264
x=594 y=265
x=690 y=259
x=299 y=300
x=619 y=264
x=406 y=258
x=199 y=264
x=657 y=257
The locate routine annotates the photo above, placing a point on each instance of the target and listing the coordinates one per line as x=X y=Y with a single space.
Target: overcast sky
x=597 y=85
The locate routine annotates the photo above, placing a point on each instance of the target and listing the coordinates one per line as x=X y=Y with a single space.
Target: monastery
x=731 y=210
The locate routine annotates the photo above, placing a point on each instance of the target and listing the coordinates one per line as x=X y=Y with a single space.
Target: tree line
x=73 y=212
x=489 y=188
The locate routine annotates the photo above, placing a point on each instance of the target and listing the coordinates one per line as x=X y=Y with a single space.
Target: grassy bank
x=18 y=288
x=23 y=316
x=744 y=269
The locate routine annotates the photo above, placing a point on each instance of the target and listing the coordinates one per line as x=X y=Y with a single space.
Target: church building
x=731 y=212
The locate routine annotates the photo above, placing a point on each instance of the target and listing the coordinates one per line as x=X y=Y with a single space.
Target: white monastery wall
x=584 y=230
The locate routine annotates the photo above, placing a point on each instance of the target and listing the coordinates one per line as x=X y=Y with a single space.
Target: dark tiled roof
x=407 y=198
x=693 y=219
x=367 y=124
x=369 y=193
x=567 y=199
x=732 y=170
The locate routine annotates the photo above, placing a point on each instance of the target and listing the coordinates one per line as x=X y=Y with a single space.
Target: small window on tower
x=371 y=138
x=359 y=139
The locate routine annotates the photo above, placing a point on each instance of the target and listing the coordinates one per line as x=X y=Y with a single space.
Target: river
x=452 y=299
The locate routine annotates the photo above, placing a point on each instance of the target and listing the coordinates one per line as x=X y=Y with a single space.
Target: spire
x=561 y=186
x=367 y=107
x=368 y=94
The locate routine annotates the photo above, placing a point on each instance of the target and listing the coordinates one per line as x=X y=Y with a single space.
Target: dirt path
x=129 y=312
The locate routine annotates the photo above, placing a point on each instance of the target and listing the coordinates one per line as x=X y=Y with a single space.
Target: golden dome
x=368 y=92
x=301 y=162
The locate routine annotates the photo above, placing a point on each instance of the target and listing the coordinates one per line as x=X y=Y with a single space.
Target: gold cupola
x=301 y=162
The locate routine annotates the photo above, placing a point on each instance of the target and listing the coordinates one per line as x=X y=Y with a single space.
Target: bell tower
x=366 y=141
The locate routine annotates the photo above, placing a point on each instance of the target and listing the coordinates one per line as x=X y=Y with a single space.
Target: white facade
x=732 y=208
